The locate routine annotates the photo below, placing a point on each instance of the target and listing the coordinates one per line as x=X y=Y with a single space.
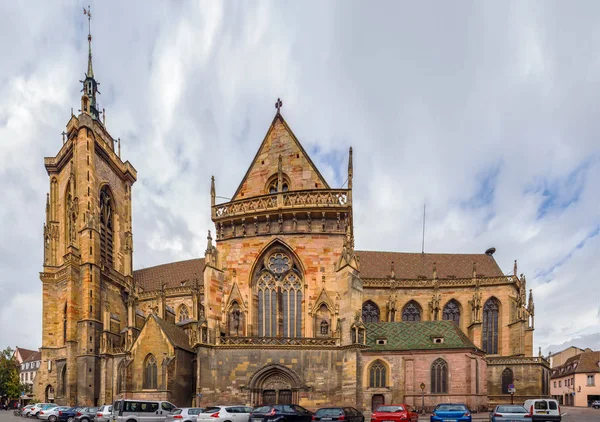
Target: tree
x=10 y=385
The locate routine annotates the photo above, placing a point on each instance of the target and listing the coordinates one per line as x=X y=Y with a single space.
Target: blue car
x=451 y=412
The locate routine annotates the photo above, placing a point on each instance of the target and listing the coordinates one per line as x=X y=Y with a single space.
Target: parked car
x=103 y=413
x=237 y=413
x=509 y=413
x=394 y=412
x=138 y=410
x=338 y=414
x=26 y=409
x=85 y=414
x=280 y=412
x=449 y=411
x=51 y=414
x=543 y=409
x=69 y=414
x=37 y=408
x=596 y=404
x=184 y=414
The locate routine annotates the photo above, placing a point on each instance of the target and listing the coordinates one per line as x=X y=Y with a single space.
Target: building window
x=150 y=373
x=183 y=313
x=554 y=384
x=476 y=377
x=106 y=226
x=560 y=383
x=439 y=377
x=65 y=324
x=507 y=379
x=62 y=381
x=411 y=312
x=452 y=312
x=121 y=377
x=490 y=326
x=590 y=380
x=377 y=375
x=279 y=296
x=370 y=312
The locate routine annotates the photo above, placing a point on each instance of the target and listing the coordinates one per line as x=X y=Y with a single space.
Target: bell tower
x=87 y=276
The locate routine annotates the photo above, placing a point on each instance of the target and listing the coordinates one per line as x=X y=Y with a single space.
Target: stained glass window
x=370 y=312
x=439 y=376
x=452 y=312
x=150 y=373
x=377 y=375
x=490 y=326
x=411 y=312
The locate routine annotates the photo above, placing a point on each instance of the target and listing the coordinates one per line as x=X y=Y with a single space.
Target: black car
x=349 y=414
x=86 y=414
x=281 y=412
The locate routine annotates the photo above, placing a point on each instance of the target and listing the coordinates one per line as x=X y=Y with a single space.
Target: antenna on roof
x=423 y=241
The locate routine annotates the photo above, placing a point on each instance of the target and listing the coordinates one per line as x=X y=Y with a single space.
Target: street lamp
x=422 y=397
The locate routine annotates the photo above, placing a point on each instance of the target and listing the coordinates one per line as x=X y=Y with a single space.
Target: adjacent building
x=282 y=308
x=29 y=363
x=577 y=381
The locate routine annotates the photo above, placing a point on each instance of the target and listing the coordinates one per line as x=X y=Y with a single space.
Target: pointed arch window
x=439 y=377
x=106 y=226
x=279 y=289
x=378 y=375
x=183 y=313
x=507 y=379
x=121 y=377
x=150 y=373
x=452 y=312
x=490 y=326
x=62 y=381
x=65 y=324
x=370 y=312
x=411 y=312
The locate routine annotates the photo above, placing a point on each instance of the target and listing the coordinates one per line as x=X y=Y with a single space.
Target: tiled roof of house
x=176 y=335
x=416 y=336
x=581 y=363
x=172 y=274
x=25 y=353
x=33 y=357
x=376 y=264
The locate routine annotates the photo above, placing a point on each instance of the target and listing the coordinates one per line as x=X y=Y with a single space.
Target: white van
x=543 y=410
x=141 y=411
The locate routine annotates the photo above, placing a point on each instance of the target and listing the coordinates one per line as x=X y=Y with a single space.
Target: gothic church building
x=281 y=309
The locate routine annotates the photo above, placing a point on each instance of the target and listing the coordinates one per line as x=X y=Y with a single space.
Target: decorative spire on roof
x=515 y=268
x=393 y=273
x=530 y=305
x=90 y=86
x=212 y=191
x=434 y=271
x=350 y=169
x=278 y=105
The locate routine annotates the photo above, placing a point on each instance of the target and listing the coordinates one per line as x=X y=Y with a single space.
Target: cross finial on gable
x=278 y=105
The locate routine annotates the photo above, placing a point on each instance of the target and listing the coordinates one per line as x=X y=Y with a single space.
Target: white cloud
x=433 y=100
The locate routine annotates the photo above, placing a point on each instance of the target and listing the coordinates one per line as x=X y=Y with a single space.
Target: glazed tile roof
x=376 y=264
x=416 y=336
x=175 y=334
x=172 y=274
x=587 y=362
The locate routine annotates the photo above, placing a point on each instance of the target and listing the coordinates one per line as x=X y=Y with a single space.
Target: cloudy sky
x=486 y=111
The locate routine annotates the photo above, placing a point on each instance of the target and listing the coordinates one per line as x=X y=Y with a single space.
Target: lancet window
x=377 y=375
x=452 y=312
x=279 y=289
x=490 y=326
x=411 y=312
x=439 y=376
x=183 y=313
x=150 y=373
x=370 y=312
x=507 y=379
x=106 y=226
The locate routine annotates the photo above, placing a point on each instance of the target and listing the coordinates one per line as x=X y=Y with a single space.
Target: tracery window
x=439 y=376
x=121 y=377
x=377 y=374
x=370 y=312
x=106 y=226
x=183 y=313
x=452 y=312
x=490 y=326
x=411 y=312
x=150 y=373
x=279 y=292
x=507 y=379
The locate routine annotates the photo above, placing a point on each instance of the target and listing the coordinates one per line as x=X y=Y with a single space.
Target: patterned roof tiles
x=171 y=274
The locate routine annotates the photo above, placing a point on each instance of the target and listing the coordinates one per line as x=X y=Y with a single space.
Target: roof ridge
x=169 y=263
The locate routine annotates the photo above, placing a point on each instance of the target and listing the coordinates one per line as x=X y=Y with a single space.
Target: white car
x=543 y=409
x=184 y=414
x=37 y=408
x=51 y=414
x=25 y=410
x=103 y=413
x=237 y=413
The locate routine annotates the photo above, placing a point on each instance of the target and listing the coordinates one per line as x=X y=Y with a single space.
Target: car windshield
x=262 y=409
x=390 y=409
x=511 y=409
x=176 y=411
x=451 y=408
x=212 y=409
x=336 y=411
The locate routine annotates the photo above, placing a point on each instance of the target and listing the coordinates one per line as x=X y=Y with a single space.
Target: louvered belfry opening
x=106 y=227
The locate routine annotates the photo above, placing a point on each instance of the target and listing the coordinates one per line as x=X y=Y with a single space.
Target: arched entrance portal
x=275 y=384
x=49 y=394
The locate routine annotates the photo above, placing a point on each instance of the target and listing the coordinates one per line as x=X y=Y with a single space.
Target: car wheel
x=70 y=419
x=52 y=418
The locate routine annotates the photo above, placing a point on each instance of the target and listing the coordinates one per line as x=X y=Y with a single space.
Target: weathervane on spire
x=278 y=105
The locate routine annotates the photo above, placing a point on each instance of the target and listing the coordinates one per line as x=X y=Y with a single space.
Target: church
x=281 y=309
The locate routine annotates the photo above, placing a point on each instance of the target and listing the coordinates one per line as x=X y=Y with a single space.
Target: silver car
x=509 y=413
x=184 y=414
x=103 y=413
x=51 y=414
x=236 y=413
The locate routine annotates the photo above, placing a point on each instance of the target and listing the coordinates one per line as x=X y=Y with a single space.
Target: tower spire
x=90 y=71
x=90 y=85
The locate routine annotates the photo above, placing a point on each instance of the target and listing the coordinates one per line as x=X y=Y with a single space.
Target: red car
x=395 y=413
